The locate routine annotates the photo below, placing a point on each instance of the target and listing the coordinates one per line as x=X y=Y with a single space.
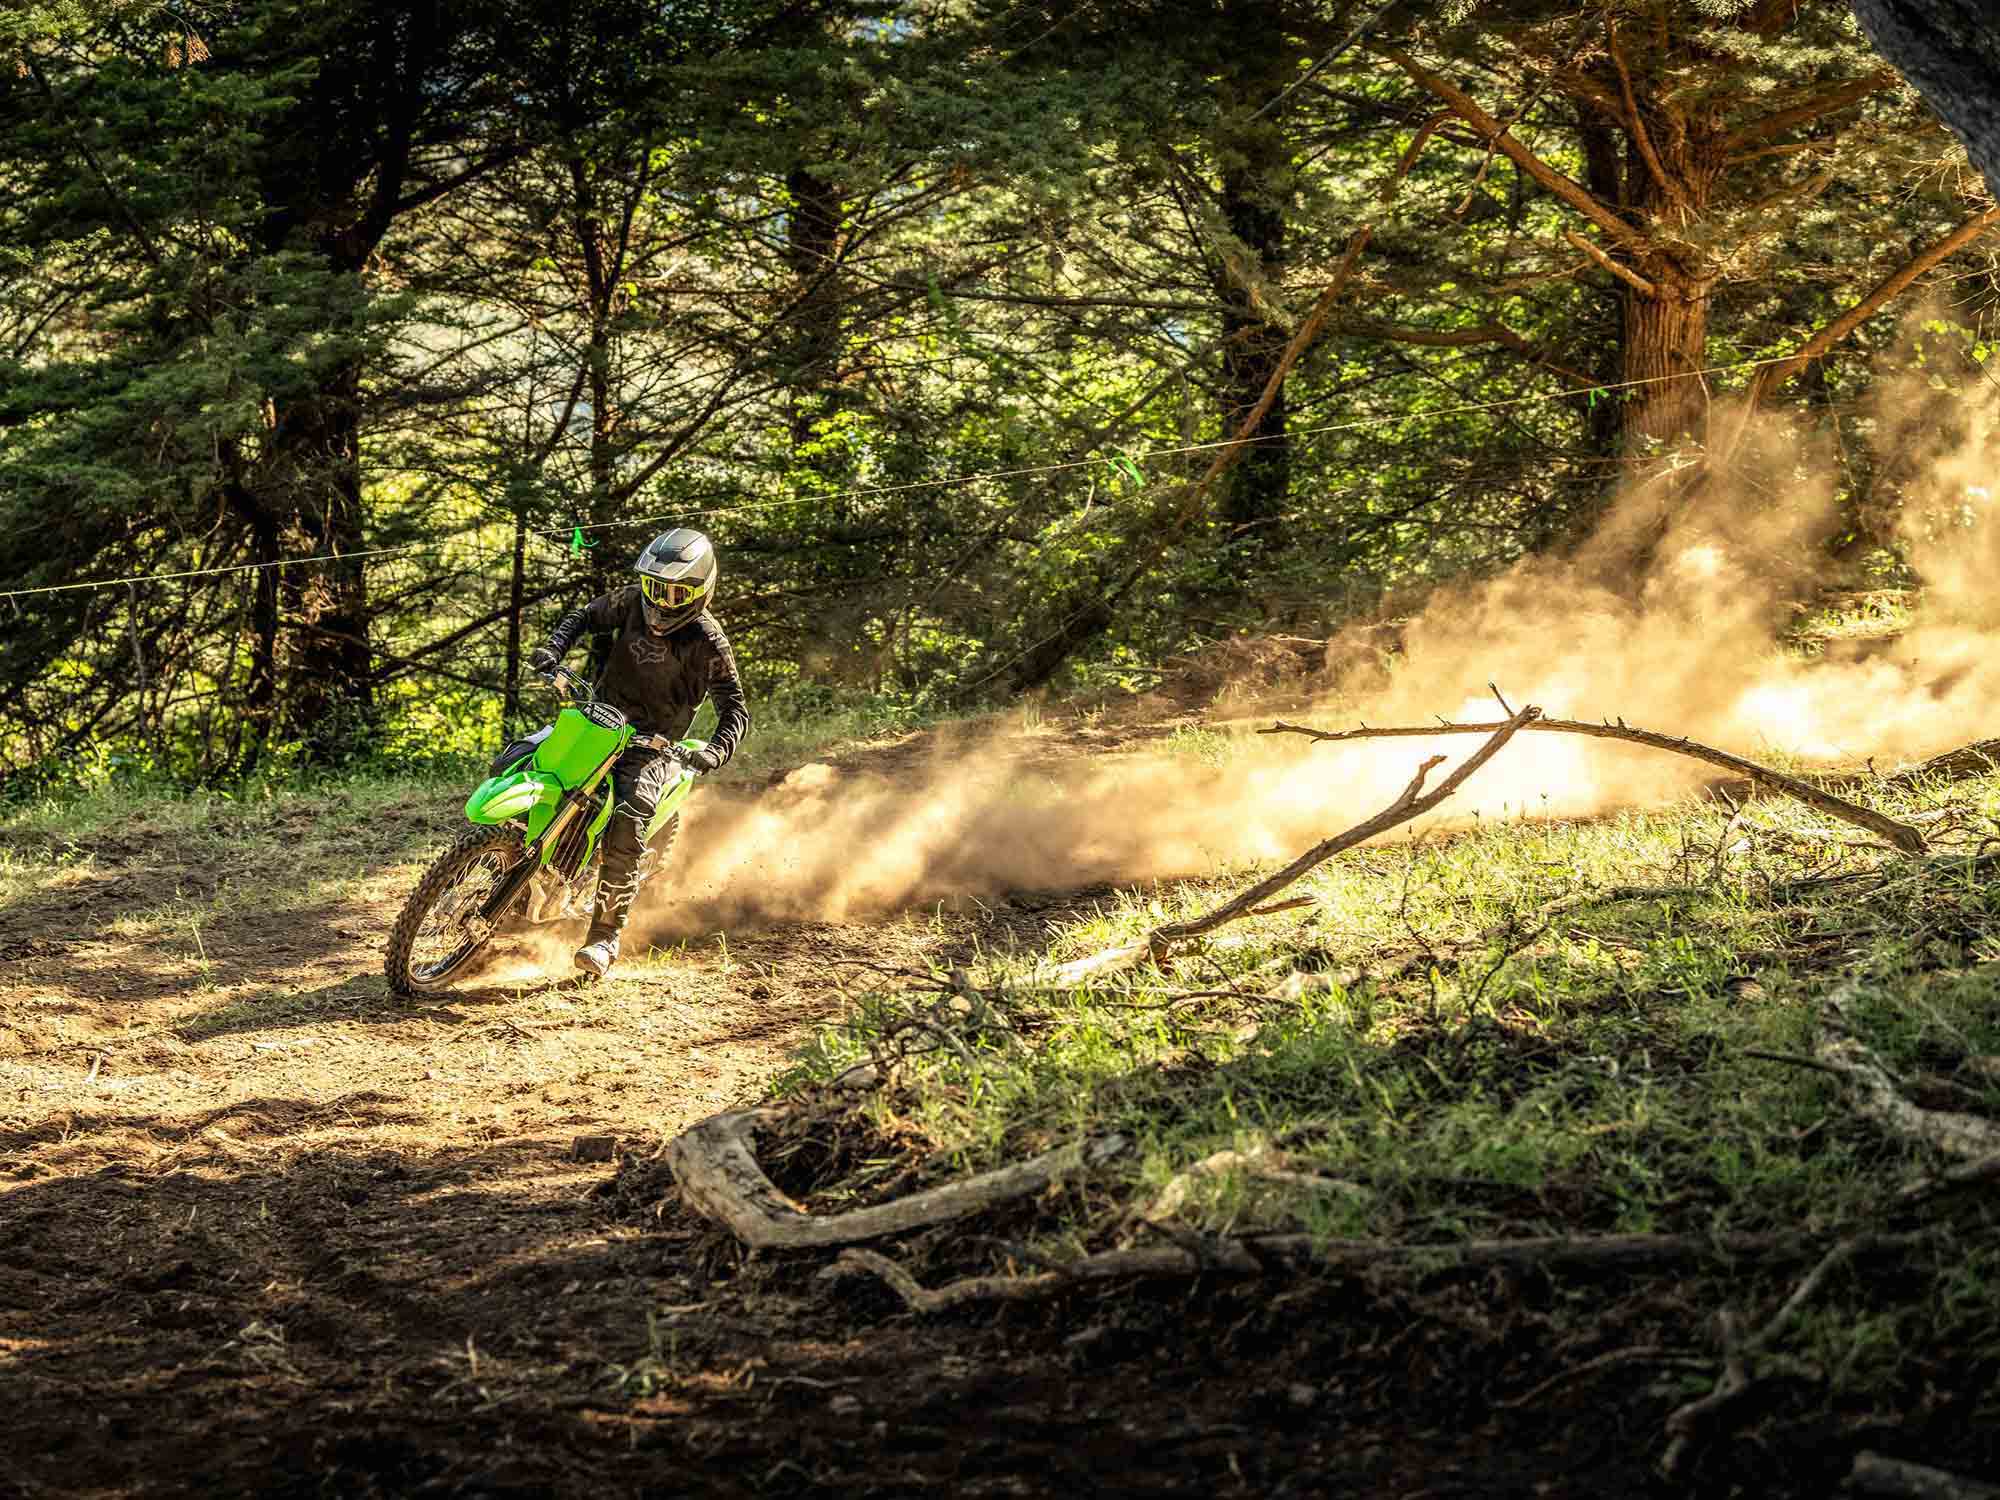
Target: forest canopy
x=343 y=343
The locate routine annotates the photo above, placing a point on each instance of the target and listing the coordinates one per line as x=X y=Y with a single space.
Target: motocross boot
x=617 y=889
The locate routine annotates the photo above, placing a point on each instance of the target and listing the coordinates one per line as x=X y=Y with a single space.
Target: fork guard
x=526 y=795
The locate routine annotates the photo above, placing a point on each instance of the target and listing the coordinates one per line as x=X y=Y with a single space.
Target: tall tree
x=1673 y=141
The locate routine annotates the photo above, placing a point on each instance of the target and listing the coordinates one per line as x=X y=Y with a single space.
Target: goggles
x=670 y=595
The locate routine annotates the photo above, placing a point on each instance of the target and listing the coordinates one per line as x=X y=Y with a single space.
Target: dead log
x=1873 y=1474
x=1413 y=802
x=1261 y=1254
x=717 y=1174
x=1902 y=835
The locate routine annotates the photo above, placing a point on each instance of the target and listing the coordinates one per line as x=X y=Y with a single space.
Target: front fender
x=514 y=795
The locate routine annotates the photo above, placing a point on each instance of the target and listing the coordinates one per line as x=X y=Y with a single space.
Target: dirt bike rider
x=667 y=654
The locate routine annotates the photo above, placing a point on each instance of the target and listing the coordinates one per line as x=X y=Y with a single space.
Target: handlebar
x=576 y=686
x=570 y=684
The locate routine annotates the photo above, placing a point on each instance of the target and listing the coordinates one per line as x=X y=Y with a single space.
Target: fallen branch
x=1246 y=903
x=717 y=1174
x=1873 y=1474
x=1295 y=1252
x=1976 y=759
x=1879 y=1097
x=1902 y=835
x=1407 y=806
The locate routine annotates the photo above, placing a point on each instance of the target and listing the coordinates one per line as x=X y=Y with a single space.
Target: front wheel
x=440 y=928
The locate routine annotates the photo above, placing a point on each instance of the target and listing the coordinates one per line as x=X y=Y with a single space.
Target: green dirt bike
x=532 y=853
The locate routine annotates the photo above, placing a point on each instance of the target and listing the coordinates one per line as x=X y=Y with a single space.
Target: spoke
x=446 y=932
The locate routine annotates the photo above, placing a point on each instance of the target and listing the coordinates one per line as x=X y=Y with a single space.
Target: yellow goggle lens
x=671 y=595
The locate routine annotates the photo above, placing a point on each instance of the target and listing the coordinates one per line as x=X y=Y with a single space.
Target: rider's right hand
x=543 y=659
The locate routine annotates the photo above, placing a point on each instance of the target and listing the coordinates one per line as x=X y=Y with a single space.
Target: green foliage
x=932 y=315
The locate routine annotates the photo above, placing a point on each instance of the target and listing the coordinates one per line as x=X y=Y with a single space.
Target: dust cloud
x=1667 y=617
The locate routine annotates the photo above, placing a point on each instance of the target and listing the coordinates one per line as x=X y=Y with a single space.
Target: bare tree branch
x=1902 y=835
x=1572 y=192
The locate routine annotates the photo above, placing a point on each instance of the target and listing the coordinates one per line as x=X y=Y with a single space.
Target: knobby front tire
x=429 y=944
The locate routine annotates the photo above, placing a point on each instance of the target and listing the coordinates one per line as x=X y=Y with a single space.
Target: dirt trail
x=265 y=1230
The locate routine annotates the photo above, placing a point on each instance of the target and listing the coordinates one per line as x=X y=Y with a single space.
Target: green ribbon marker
x=577 y=545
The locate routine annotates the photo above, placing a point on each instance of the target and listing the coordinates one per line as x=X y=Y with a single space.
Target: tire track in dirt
x=263 y=1227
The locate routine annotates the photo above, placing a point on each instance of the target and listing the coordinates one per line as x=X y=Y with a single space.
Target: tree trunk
x=1950 y=51
x=1041 y=661
x=1255 y=491
x=1668 y=185
x=812 y=242
x=327 y=692
x=1256 y=190
x=1665 y=339
x=261 y=693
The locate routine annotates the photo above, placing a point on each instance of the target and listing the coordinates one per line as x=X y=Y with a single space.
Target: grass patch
x=1458 y=1041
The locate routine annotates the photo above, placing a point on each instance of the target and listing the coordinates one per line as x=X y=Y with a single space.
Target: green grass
x=1466 y=1043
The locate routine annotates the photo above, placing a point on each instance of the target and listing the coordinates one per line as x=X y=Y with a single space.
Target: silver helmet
x=677 y=577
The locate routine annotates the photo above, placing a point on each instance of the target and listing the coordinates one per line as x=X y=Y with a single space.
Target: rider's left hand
x=703 y=759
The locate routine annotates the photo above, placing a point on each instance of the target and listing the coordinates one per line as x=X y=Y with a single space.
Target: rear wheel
x=440 y=928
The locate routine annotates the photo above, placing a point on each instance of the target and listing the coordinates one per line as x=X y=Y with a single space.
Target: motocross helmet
x=677 y=577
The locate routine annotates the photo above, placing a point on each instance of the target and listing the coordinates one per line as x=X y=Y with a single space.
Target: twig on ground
x=1689 y=1425
x=1838 y=1256
x=1984 y=1169
x=1792 y=1060
x=1193 y=1255
x=1645 y=1354
x=1696 y=1423
x=1902 y=835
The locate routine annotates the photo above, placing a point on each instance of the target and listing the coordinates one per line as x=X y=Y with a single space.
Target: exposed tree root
x=1302 y=1252
x=716 y=1172
x=1902 y=835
